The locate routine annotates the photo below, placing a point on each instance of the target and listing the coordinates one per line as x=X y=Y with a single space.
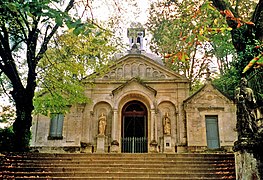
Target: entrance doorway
x=134 y=128
x=212 y=134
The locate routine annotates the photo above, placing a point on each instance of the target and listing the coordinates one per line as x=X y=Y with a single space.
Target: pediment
x=208 y=95
x=134 y=84
x=138 y=65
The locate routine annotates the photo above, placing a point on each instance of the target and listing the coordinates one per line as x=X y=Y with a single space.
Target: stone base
x=88 y=149
x=100 y=144
x=48 y=149
x=153 y=147
x=181 y=149
x=114 y=146
x=167 y=144
x=246 y=166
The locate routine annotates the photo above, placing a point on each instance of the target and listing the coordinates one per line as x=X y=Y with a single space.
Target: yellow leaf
x=201 y=32
x=215 y=21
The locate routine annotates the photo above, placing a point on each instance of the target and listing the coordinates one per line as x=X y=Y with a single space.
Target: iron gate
x=134 y=145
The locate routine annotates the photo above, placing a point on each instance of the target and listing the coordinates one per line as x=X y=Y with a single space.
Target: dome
x=151 y=56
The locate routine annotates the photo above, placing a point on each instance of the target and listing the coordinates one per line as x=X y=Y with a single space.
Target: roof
x=152 y=56
x=203 y=87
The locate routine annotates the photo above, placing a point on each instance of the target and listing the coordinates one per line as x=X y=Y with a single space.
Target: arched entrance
x=134 y=128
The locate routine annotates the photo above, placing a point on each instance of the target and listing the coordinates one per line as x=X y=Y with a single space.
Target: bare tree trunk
x=23 y=122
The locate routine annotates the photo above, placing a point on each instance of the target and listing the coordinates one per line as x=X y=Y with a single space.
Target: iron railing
x=134 y=145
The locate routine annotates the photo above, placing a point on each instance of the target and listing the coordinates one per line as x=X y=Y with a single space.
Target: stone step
x=128 y=178
x=120 y=174
x=124 y=160
x=117 y=166
x=123 y=169
x=121 y=155
x=112 y=165
x=118 y=159
x=127 y=165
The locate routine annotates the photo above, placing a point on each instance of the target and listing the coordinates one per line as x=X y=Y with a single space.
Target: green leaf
x=59 y=20
x=12 y=7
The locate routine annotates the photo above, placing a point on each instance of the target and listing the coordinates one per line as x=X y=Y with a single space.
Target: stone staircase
x=117 y=166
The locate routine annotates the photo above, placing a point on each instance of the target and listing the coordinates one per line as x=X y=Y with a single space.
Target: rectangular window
x=56 y=126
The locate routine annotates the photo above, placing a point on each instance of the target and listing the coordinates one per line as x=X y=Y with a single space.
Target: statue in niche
x=102 y=124
x=246 y=111
x=166 y=124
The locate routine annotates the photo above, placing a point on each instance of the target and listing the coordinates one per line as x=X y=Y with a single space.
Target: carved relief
x=133 y=69
x=127 y=71
x=141 y=69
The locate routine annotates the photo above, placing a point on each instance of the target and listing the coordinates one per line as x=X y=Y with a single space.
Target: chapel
x=140 y=106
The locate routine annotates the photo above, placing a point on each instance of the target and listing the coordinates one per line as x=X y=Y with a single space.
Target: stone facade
x=140 y=81
x=209 y=103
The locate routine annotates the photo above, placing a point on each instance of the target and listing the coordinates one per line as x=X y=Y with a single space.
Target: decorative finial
x=208 y=75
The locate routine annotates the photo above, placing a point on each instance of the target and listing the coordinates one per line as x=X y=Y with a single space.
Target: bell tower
x=136 y=33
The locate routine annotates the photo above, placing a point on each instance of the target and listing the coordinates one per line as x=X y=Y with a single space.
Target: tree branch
x=3 y=87
x=9 y=66
x=223 y=6
x=47 y=39
x=257 y=18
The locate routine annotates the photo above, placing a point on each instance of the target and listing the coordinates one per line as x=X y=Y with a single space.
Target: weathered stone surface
x=208 y=101
x=137 y=78
x=246 y=166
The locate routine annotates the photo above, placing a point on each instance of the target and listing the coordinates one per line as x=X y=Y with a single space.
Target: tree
x=26 y=27
x=182 y=33
x=66 y=66
x=246 y=21
x=246 y=34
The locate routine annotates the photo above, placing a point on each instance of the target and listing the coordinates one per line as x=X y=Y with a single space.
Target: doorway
x=212 y=134
x=134 y=128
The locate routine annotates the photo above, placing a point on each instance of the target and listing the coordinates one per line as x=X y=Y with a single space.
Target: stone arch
x=134 y=95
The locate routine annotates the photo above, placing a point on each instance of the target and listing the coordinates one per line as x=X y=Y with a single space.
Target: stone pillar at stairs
x=100 y=144
x=167 y=146
x=114 y=144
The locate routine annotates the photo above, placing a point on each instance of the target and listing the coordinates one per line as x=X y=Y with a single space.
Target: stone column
x=152 y=130
x=153 y=135
x=114 y=119
x=114 y=132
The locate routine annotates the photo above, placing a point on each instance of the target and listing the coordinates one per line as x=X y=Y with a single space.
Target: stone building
x=140 y=106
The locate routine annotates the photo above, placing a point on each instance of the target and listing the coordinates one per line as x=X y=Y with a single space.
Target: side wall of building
x=206 y=104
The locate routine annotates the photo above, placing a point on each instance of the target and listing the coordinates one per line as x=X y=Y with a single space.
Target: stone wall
x=208 y=101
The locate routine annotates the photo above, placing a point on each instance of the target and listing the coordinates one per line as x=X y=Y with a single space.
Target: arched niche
x=98 y=109
x=166 y=107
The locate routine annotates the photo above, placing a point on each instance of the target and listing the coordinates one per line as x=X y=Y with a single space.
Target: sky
x=106 y=9
x=102 y=10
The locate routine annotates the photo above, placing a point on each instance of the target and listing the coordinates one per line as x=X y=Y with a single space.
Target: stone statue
x=246 y=110
x=166 y=124
x=102 y=124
